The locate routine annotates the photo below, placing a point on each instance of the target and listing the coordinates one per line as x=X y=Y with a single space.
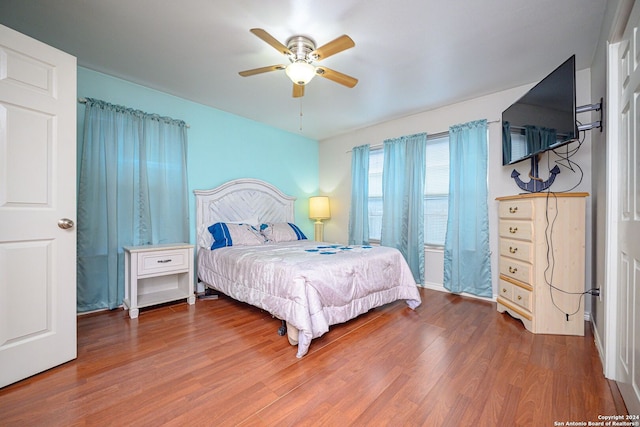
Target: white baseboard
x=598 y=342
x=440 y=288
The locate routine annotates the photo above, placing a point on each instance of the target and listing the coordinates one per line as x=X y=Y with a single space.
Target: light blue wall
x=222 y=146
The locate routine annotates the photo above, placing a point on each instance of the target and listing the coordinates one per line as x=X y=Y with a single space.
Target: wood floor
x=454 y=361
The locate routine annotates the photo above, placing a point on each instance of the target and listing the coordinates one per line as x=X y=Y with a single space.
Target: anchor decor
x=536 y=184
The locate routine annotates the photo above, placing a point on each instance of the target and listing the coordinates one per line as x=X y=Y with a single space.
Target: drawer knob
x=513 y=270
x=513 y=250
x=513 y=209
x=163 y=261
x=519 y=297
x=504 y=290
x=513 y=230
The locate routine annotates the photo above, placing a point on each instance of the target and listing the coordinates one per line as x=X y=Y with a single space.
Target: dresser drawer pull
x=513 y=270
x=519 y=297
x=513 y=230
x=163 y=261
x=504 y=290
x=513 y=209
x=513 y=250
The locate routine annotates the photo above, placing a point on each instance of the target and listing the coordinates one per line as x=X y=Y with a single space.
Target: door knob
x=65 y=223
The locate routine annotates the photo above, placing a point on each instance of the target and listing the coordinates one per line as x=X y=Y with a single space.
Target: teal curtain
x=359 y=212
x=467 y=262
x=403 y=176
x=132 y=190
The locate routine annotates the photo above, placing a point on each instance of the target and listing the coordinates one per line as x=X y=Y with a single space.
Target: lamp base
x=318 y=231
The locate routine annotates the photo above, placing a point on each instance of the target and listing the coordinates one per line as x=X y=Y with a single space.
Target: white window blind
x=436 y=190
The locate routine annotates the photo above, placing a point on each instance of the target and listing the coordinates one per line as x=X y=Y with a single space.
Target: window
x=436 y=190
x=376 y=160
x=436 y=194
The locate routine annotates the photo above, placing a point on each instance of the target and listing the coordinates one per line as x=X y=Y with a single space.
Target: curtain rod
x=432 y=135
x=84 y=101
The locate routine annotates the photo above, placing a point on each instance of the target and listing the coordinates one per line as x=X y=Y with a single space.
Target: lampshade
x=300 y=72
x=319 y=207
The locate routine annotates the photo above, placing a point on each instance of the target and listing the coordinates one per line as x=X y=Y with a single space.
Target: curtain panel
x=403 y=177
x=132 y=190
x=359 y=212
x=467 y=262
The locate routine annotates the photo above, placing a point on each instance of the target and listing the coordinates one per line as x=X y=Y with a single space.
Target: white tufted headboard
x=243 y=199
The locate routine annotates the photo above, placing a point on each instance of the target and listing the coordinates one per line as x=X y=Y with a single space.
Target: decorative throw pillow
x=229 y=234
x=205 y=239
x=281 y=232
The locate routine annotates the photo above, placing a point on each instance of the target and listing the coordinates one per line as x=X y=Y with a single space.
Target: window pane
x=435 y=220
x=375 y=217
x=437 y=172
x=376 y=160
x=436 y=190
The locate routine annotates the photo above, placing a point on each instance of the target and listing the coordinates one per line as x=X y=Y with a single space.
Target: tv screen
x=544 y=118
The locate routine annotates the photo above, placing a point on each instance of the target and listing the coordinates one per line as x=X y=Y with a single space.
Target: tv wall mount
x=537 y=184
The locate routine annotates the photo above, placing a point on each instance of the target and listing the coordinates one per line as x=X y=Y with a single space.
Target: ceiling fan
x=302 y=54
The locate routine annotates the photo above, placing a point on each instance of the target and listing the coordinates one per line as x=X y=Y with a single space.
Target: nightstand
x=155 y=274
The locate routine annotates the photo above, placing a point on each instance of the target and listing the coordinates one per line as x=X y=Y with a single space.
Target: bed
x=250 y=249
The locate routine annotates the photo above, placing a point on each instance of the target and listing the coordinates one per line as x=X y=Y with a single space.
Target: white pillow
x=205 y=239
x=281 y=232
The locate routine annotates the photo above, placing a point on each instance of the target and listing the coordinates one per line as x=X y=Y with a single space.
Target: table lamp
x=319 y=210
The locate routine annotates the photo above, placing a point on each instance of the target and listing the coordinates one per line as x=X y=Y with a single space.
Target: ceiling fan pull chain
x=300 y=114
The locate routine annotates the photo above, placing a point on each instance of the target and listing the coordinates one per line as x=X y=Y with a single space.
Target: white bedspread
x=309 y=284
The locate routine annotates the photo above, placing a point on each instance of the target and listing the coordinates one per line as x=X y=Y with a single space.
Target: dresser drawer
x=515 y=269
x=518 y=249
x=516 y=209
x=522 y=297
x=155 y=262
x=505 y=290
x=522 y=230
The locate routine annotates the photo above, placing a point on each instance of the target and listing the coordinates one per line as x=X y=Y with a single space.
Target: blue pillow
x=221 y=235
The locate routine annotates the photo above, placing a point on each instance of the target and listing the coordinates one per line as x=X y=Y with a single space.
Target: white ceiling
x=410 y=55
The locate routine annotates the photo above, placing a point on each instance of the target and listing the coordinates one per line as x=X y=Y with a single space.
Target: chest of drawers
x=542 y=267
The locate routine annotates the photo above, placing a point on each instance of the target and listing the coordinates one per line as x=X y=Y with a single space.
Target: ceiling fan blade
x=269 y=39
x=336 y=76
x=255 y=71
x=298 y=90
x=343 y=42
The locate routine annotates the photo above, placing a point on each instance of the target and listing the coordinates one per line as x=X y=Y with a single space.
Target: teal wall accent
x=222 y=146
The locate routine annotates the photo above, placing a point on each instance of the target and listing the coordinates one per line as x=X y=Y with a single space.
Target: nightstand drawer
x=163 y=261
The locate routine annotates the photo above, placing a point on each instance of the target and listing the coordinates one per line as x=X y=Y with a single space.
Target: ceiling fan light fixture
x=300 y=72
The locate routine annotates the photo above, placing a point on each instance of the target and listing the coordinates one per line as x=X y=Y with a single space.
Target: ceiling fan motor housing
x=301 y=47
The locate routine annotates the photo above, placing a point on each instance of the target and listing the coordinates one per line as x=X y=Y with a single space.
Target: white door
x=625 y=63
x=37 y=190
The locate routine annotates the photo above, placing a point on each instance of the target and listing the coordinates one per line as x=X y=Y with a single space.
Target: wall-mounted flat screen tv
x=544 y=118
